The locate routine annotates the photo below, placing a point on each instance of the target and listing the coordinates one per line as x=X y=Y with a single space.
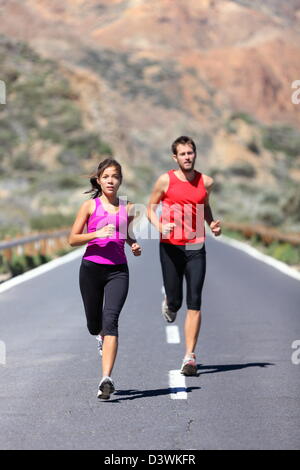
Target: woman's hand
x=136 y=249
x=105 y=232
x=215 y=227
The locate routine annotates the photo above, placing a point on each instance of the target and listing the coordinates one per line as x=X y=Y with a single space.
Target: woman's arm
x=131 y=240
x=76 y=237
x=131 y=216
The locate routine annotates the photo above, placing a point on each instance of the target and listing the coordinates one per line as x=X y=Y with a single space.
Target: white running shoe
x=189 y=365
x=99 y=339
x=168 y=315
x=106 y=387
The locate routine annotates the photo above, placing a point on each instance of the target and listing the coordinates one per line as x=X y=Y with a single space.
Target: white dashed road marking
x=177 y=385
x=172 y=333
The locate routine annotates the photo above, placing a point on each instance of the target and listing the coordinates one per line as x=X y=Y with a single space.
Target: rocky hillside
x=46 y=150
x=141 y=73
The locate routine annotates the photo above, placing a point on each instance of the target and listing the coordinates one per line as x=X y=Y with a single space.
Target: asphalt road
x=247 y=394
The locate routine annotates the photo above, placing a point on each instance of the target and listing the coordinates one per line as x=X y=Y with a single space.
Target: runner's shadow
x=134 y=394
x=227 y=367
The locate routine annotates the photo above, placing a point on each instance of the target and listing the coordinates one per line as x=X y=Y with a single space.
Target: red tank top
x=183 y=204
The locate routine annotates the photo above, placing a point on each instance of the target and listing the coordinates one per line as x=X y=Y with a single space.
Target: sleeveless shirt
x=108 y=250
x=183 y=204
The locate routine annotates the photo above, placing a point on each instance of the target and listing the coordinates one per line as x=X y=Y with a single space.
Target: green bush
x=230 y=127
x=233 y=234
x=291 y=205
x=144 y=173
x=22 y=263
x=230 y=124
x=284 y=252
x=51 y=221
x=242 y=168
x=255 y=240
x=68 y=182
x=32 y=261
x=23 y=161
x=3 y=265
x=270 y=198
x=243 y=116
x=18 y=264
x=215 y=171
x=58 y=88
x=253 y=147
x=45 y=258
x=104 y=149
x=282 y=138
x=8 y=136
x=9 y=230
x=69 y=121
x=51 y=132
x=82 y=146
x=65 y=251
x=271 y=216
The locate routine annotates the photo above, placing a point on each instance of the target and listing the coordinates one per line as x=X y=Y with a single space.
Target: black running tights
x=104 y=290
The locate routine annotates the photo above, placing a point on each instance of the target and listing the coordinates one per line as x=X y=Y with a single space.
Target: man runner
x=183 y=193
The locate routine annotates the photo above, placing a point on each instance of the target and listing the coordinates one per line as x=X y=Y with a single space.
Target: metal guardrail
x=268 y=235
x=43 y=242
x=51 y=241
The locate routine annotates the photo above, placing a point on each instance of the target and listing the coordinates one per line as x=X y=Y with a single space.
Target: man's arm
x=208 y=216
x=156 y=196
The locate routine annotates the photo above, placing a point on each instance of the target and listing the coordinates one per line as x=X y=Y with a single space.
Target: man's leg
x=172 y=265
x=195 y=274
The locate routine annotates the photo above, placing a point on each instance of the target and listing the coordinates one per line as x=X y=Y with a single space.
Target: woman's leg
x=109 y=354
x=116 y=290
x=92 y=292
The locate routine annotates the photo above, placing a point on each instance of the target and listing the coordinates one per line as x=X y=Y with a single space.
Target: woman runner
x=103 y=274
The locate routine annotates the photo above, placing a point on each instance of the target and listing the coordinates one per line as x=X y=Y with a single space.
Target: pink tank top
x=107 y=250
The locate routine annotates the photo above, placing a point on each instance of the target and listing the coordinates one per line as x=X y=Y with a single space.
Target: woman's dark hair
x=108 y=162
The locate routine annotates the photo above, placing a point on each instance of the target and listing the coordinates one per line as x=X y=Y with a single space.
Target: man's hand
x=136 y=249
x=167 y=228
x=215 y=227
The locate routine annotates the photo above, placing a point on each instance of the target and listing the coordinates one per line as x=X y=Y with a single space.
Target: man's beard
x=186 y=169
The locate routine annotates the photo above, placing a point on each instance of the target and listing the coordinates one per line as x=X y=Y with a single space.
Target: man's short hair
x=183 y=139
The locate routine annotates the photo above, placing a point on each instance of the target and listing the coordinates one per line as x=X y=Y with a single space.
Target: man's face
x=185 y=157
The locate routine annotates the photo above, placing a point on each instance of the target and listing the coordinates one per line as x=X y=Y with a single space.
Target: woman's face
x=110 y=180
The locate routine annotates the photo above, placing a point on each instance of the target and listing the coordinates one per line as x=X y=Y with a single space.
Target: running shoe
x=168 y=315
x=99 y=339
x=189 y=365
x=106 y=387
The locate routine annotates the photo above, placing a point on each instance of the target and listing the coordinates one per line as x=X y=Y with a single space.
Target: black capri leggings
x=100 y=282
x=178 y=262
